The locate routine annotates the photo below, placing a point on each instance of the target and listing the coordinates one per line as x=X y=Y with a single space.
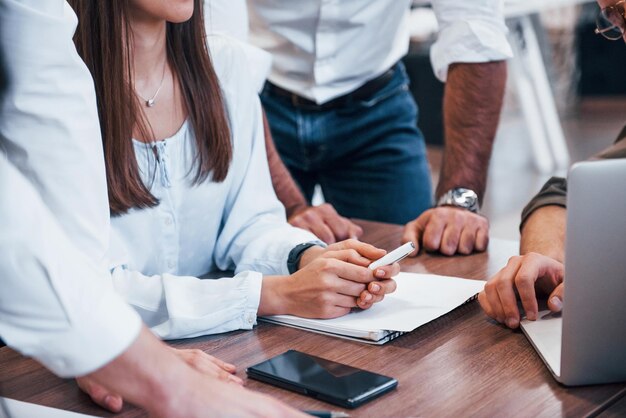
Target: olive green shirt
x=554 y=192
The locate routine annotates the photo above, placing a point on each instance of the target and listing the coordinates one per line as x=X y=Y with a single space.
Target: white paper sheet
x=10 y=408
x=419 y=299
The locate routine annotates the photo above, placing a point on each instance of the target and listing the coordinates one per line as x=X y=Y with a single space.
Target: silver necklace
x=152 y=101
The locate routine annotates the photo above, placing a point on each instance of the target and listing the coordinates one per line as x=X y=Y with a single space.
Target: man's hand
x=527 y=275
x=448 y=230
x=197 y=359
x=325 y=223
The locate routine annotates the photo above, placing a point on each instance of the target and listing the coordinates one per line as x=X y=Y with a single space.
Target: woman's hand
x=526 y=275
x=199 y=360
x=363 y=254
x=328 y=286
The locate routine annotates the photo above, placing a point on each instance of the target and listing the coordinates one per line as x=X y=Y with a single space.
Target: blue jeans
x=368 y=156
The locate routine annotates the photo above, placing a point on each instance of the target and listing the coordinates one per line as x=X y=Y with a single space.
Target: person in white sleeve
x=189 y=186
x=57 y=302
x=342 y=117
x=58 y=306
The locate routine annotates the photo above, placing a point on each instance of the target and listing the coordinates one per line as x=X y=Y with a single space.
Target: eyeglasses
x=611 y=21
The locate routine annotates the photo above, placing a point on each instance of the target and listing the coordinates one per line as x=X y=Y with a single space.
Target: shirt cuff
x=253 y=300
x=553 y=193
x=469 y=41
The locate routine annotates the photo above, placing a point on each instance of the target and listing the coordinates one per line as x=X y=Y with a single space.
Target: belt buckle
x=295 y=100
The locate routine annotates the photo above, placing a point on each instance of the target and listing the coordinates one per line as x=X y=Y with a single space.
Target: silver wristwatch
x=460 y=197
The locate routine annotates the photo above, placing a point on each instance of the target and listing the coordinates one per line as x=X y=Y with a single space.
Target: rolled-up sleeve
x=469 y=32
x=56 y=305
x=554 y=192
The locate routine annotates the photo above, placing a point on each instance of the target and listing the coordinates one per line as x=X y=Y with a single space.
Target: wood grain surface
x=462 y=364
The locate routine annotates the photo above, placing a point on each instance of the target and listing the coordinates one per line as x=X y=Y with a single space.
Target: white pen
x=394 y=256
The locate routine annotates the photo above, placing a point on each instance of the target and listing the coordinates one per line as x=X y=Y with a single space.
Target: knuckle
x=513 y=260
x=522 y=280
x=326 y=282
x=325 y=264
x=351 y=242
x=501 y=285
x=491 y=285
x=364 y=274
x=325 y=300
x=307 y=216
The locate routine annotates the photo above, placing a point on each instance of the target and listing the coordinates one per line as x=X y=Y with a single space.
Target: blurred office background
x=585 y=82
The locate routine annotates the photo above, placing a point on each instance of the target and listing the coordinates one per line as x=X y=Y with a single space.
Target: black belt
x=364 y=92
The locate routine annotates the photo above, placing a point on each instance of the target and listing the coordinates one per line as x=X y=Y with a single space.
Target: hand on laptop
x=525 y=276
x=448 y=230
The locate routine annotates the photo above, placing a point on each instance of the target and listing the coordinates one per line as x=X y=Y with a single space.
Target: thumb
x=555 y=301
x=413 y=232
x=354 y=231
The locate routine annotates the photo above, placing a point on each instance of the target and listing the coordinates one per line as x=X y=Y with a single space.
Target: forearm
x=285 y=187
x=472 y=104
x=544 y=232
x=147 y=374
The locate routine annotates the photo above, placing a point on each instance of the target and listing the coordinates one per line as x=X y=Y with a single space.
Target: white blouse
x=158 y=254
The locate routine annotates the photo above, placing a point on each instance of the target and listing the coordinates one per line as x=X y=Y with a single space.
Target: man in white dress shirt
x=57 y=302
x=341 y=115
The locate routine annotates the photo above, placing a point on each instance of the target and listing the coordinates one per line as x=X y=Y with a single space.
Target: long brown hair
x=103 y=40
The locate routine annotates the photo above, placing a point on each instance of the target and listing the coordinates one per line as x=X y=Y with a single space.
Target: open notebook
x=419 y=299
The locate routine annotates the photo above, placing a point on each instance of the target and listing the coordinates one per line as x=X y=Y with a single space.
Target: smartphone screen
x=322 y=379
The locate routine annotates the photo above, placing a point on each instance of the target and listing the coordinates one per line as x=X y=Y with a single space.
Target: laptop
x=586 y=343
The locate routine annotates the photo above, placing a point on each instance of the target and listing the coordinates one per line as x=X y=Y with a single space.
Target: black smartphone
x=322 y=379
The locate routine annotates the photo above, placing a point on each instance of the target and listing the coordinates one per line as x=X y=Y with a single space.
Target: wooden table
x=462 y=364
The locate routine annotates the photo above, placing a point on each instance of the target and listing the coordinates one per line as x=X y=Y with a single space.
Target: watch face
x=464 y=198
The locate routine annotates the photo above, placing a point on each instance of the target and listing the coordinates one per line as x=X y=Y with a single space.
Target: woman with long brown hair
x=189 y=186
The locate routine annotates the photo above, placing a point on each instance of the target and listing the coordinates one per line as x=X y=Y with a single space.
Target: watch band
x=293 y=260
x=460 y=197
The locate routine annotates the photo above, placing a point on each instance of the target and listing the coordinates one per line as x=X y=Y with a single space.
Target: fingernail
x=557 y=303
x=531 y=316
x=367 y=297
x=380 y=273
x=375 y=288
x=109 y=401
x=511 y=322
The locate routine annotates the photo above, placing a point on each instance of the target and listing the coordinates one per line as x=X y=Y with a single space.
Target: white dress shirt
x=56 y=302
x=158 y=253
x=323 y=49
